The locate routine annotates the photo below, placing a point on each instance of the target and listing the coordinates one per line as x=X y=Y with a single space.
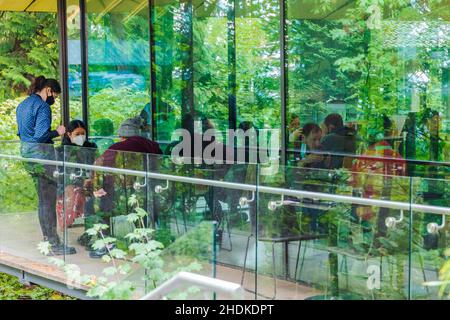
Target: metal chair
x=300 y=237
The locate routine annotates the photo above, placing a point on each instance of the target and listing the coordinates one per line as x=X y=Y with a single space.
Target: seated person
x=76 y=135
x=295 y=135
x=374 y=172
x=295 y=131
x=113 y=190
x=131 y=139
x=312 y=134
x=338 y=139
x=75 y=192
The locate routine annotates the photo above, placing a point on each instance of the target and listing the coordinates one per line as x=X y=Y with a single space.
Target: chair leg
x=184 y=220
x=381 y=271
x=183 y=211
x=176 y=221
x=274 y=272
x=346 y=271
x=298 y=258
x=245 y=259
x=303 y=260
x=227 y=220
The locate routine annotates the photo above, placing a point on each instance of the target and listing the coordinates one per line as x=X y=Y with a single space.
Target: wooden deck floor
x=20 y=235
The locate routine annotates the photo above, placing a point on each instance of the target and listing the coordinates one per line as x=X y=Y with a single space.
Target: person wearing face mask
x=34 y=121
x=34 y=115
x=76 y=135
x=77 y=149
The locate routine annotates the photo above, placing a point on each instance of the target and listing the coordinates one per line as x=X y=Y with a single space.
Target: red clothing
x=133 y=144
x=128 y=154
x=137 y=144
x=371 y=171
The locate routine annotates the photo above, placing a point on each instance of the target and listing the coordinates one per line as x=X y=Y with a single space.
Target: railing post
x=63 y=61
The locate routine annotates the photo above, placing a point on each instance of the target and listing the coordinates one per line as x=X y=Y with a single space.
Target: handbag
x=73 y=207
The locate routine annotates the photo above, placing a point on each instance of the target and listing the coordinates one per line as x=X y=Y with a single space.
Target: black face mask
x=50 y=100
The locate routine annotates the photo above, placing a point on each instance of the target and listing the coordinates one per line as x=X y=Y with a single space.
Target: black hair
x=387 y=123
x=334 y=119
x=187 y=123
x=41 y=82
x=310 y=128
x=73 y=125
x=246 y=125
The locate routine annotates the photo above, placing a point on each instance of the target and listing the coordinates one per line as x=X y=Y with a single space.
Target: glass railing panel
x=430 y=239
x=327 y=241
x=193 y=252
x=98 y=195
x=189 y=194
x=28 y=205
x=112 y=220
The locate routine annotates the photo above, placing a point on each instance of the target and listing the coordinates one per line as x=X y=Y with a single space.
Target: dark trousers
x=46 y=188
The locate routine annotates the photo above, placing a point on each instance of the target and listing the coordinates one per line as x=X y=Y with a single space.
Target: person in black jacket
x=338 y=141
x=76 y=148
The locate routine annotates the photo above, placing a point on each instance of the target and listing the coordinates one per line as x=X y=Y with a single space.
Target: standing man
x=34 y=120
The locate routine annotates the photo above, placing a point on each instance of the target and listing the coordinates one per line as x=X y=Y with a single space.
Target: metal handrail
x=244 y=187
x=233 y=290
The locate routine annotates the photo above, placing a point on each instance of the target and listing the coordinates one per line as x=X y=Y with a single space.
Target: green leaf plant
x=142 y=253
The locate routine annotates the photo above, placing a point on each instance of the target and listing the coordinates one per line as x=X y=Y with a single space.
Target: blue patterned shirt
x=34 y=120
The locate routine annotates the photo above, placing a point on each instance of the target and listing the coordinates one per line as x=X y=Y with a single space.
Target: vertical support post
x=84 y=63
x=151 y=5
x=446 y=91
x=231 y=35
x=410 y=236
x=187 y=94
x=63 y=61
x=283 y=80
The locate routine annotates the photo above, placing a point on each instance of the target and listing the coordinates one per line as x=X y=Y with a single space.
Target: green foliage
x=143 y=251
x=12 y=289
x=16 y=183
x=28 y=47
x=444 y=278
x=117 y=105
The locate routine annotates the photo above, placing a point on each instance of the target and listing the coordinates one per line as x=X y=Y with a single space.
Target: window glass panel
x=28 y=48
x=384 y=69
x=74 y=59
x=258 y=63
x=119 y=64
x=192 y=70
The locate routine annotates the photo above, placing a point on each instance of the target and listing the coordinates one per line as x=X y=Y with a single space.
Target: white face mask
x=79 y=140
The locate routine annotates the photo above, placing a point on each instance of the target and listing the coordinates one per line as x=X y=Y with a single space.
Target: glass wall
x=287 y=233
x=258 y=63
x=380 y=70
x=74 y=59
x=28 y=48
x=119 y=64
x=190 y=37
x=376 y=65
x=210 y=64
x=382 y=67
